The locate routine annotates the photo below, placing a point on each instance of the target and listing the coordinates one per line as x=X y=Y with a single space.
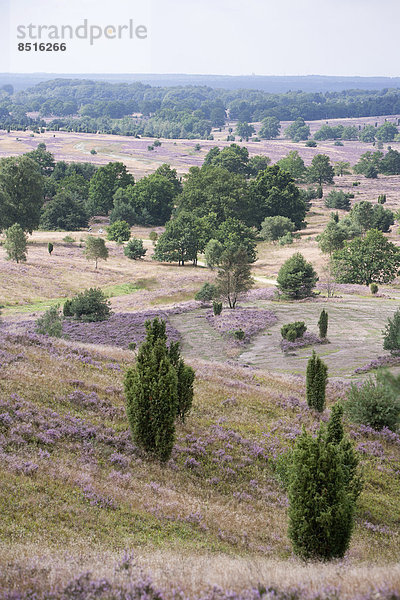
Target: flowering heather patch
x=249 y=320
x=382 y=361
x=307 y=339
x=119 y=330
x=264 y=293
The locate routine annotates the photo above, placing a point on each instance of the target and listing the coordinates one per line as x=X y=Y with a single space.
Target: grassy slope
x=218 y=494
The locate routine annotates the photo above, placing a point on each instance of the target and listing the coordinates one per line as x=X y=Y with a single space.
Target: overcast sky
x=231 y=37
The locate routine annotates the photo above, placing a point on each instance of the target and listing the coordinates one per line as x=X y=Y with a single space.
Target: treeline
x=176 y=112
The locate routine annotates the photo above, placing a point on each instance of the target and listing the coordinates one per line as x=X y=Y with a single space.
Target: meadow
x=77 y=496
x=181 y=154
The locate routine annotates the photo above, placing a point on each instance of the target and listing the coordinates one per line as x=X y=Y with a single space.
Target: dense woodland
x=174 y=112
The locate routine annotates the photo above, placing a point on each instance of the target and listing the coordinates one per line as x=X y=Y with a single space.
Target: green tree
x=386 y=132
x=322 y=493
x=270 y=128
x=257 y=164
x=134 y=249
x=316 y=380
x=95 y=249
x=50 y=248
x=153 y=199
x=181 y=241
x=15 y=244
x=338 y=199
x=274 y=193
x=233 y=158
x=369 y=163
x=367 y=134
x=43 y=158
x=234 y=275
x=341 y=168
x=216 y=190
x=294 y=165
x=233 y=234
x=296 y=278
x=151 y=390
x=320 y=171
x=323 y=324
x=244 y=130
x=65 y=211
x=332 y=238
x=273 y=228
x=213 y=252
x=372 y=259
x=390 y=163
x=124 y=206
x=119 y=231
x=298 y=130
x=21 y=192
x=362 y=214
x=103 y=186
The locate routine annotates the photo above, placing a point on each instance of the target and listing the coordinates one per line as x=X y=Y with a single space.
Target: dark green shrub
x=119 y=231
x=151 y=389
x=186 y=377
x=338 y=199
x=89 y=306
x=382 y=199
x=132 y=346
x=296 y=278
x=50 y=248
x=391 y=334
x=356 y=183
x=206 y=293
x=323 y=324
x=134 y=249
x=374 y=288
x=50 y=323
x=239 y=334
x=311 y=144
x=376 y=403
x=217 y=308
x=320 y=192
x=298 y=327
x=291 y=335
x=316 y=380
x=286 y=239
x=338 y=143
x=67 y=311
x=153 y=236
x=323 y=486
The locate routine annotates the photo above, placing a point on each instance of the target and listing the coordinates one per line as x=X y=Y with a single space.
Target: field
x=77 y=496
x=181 y=154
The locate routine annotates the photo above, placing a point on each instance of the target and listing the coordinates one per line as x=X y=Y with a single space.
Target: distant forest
x=187 y=112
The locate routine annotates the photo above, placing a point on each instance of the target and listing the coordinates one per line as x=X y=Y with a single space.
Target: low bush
x=134 y=249
x=217 y=308
x=89 y=306
x=206 y=293
x=296 y=329
x=338 y=199
x=374 y=288
x=391 y=334
x=375 y=403
x=238 y=334
x=50 y=323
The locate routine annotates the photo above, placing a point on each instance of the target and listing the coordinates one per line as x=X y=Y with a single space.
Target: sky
x=224 y=37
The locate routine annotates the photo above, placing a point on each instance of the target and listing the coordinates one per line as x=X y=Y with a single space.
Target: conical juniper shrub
x=151 y=389
x=316 y=380
x=323 y=487
x=323 y=324
x=186 y=377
